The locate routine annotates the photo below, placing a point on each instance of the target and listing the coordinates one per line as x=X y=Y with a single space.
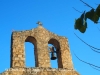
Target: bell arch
x=32 y=40
x=40 y=38
x=56 y=44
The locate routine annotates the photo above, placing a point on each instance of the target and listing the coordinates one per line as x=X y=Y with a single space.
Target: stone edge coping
x=37 y=69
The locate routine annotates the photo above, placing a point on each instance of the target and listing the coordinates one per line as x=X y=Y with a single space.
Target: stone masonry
x=40 y=38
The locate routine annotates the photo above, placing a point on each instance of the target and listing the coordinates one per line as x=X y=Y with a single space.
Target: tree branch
x=76 y=10
x=86 y=4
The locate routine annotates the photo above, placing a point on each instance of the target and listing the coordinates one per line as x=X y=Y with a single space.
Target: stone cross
x=39 y=23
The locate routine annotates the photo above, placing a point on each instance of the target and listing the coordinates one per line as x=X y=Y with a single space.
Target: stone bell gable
x=40 y=38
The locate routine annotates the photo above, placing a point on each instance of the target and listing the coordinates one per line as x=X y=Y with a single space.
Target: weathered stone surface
x=39 y=71
x=40 y=37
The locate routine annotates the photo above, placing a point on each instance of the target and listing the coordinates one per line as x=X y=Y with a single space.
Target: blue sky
x=57 y=16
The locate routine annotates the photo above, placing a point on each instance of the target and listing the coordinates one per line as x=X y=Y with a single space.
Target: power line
x=86 y=43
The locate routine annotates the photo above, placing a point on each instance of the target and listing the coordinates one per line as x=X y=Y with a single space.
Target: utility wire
x=95 y=68
x=85 y=61
x=86 y=43
x=94 y=50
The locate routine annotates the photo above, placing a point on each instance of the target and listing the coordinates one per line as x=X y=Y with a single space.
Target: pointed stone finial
x=39 y=23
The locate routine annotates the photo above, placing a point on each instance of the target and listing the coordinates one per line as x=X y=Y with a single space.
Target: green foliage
x=98 y=10
x=81 y=23
x=93 y=15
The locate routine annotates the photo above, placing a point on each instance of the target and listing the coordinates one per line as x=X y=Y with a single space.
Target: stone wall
x=39 y=71
x=40 y=38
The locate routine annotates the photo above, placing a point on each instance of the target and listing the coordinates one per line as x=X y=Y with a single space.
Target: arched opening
x=29 y=56
x=53 y=62
x=57 y=63
x=30 y=52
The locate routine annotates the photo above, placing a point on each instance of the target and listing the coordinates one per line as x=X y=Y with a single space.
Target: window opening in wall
x=53 y=56
x=29 y=55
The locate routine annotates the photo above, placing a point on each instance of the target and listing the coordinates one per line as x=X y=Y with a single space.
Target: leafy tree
x=93 y=15
x=81 y=25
